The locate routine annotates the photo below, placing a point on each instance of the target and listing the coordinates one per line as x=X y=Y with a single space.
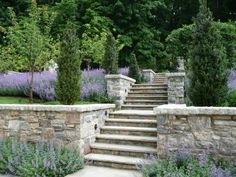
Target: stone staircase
x=130 y=135
x=147 y=96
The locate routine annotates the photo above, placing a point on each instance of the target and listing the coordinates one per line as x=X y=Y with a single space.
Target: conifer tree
x=110 y=60
x=208 y=72
x=134 y=71
x=68 y=75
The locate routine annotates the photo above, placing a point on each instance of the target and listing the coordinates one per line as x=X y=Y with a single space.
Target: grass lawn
x=24 y=100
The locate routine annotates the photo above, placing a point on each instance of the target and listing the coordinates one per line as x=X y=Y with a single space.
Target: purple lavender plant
x=17 y=84
x=232 y=80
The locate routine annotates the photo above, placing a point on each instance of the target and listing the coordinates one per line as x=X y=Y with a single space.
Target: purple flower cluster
x=232 y=80
x=17 y=84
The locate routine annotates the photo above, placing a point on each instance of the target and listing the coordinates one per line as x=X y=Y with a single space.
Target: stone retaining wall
x=198 y=128
x=71 y=125
x=118 y=87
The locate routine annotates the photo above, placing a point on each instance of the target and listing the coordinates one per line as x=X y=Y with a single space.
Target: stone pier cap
x=56 y=108
x=182 y=109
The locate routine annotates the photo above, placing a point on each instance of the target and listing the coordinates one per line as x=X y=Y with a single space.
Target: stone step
x=131 y=122
x=150 y=85
x=137 y=131
x=133 y=114
x=114 y=161
x=122 y=150
x=145 y=102
x=138 y=107
x=143 y=91
x=150 y=97
x=127 y=140
x=148 y=88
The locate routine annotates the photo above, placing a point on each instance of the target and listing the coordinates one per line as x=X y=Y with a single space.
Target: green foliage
x=96 y=97
x=110 y=60
x=134 y=71
x=208 y=64
x=41 y=159
x=93 y=48
x=231 y=100
x=178 y=44
x=68 y=75
x=180 y=40
x=26 y=45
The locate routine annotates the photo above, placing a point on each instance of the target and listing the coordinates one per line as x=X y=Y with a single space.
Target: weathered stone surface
x=118 y=87
x=148 y=75
x=176 y=88
x=209 y=128
x=70 y=125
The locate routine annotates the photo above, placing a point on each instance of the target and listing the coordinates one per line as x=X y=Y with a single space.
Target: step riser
x=117 y=116
x=146 y=98
x=121 y=153
x=114 y=165
x=150 y=86
x=130 y=124
x=127 y=142
x=150 y=92
x=137 y=108
x=146 y=94
x=126 y=132
x=146 y=103
x=149 y=89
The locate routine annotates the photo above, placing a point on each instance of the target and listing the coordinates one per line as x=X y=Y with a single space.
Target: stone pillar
x=118 y=87
x=175 y=88
x=148 y=75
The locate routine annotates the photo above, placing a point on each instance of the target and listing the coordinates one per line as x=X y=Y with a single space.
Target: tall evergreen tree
x=68 y=75
x=134 y=71
x=208 y=73
x=110 y=60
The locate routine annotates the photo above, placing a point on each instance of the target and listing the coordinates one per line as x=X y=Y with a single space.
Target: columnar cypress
x=110 y=60
x=208 y=72
x=68 y=75
x=134 y=71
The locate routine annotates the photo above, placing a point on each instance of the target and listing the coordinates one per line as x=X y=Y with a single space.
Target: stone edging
x=57 y=108
x=120 y=76
x=173 y=109
x=148 y=70
x=175 y=74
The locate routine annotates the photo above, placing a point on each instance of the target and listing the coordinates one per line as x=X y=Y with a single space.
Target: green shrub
x=42 y=159
x=96 y=97
x=231 y=101
x=208 y=64
x=134 y=71
x=68 y=75
x=110 y=60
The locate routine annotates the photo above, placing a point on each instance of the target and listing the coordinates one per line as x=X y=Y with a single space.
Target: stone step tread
x=127 y=137
x=131 y=120
x=148 y=88
x=142 y=129
x=151 y=96
x=134 y=113
x=145 y=101
x=115 y=159
x=124 y=148
x=139 y=106
x=150 y=85
x=138 y=91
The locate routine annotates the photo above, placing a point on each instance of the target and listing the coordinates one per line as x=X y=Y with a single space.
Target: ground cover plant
x=42 y=159
x=185 y=164
x=16 y=84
